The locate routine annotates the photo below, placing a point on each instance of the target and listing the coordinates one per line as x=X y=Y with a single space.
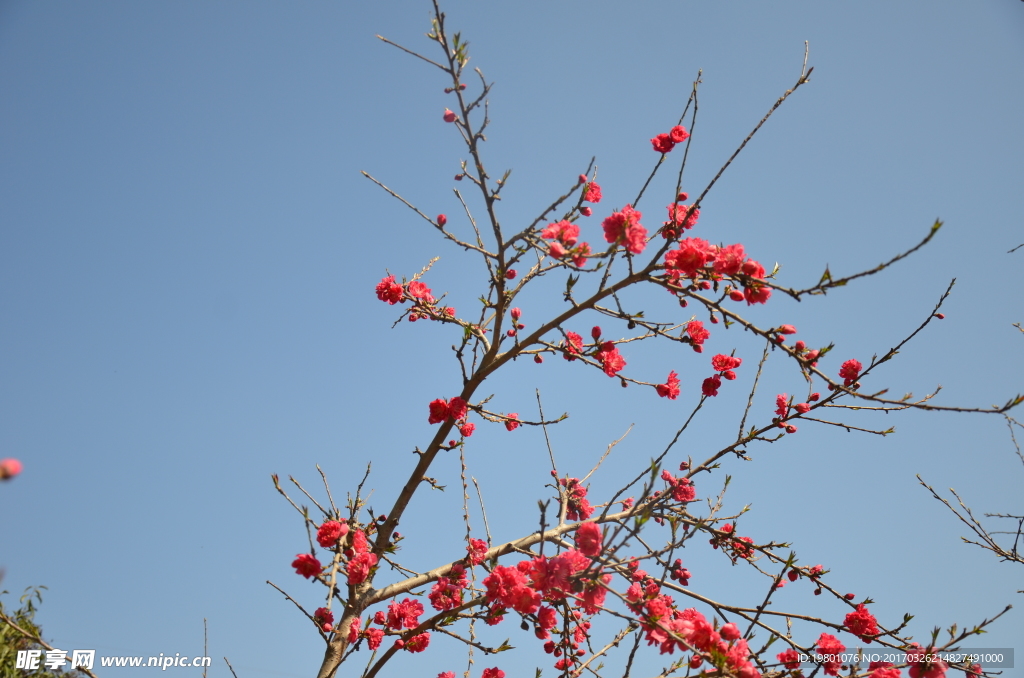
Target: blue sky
x=188 y=251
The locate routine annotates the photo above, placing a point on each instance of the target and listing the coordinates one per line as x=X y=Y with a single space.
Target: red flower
x=861 y=623
x=493 y=673
x=579 y=257
x=511 y=422
x=565 y=232
x=920 y=666
x=789 y=658
x=330 y=532
x=390 y=291
x=404 y=614
x=611 y=360
x=729 y=260
x=418 y=290
x=457 y=408
x=467 y=429
x=670 y=389
x=418 y=643
x=782 y=404
x=757 y=294
x=830 y=646
x=307 y=565
x=663 y=143
x=692 y=255
x=353 y=630
x=850 y=371
x=359 y=568
x=573 y=346
x=593 y=192
x=883 y=670
x=9 y=468
x=374 y=637
x=624 y=227
x=711 y=385
x=438 y=411
x=324 y=618
x=589 y=539
x=725 y=362
x=698 y=335
x=477 y=551
x=681 y=216
x=753 y=269
x=678 y=134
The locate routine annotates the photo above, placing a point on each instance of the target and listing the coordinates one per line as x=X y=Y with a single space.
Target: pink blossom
x=725 y=362
x=753 y=269
x=757 y=294
x=374 y=637
x=624 y=228
x=467 y=429
x=404 y=614
x=698 y=335
x=390 y=291
x=782 y=404
x=729 y=259
x=418 y=643
x=438 y=411
x=353 y=630
x=579 y=256
x=564 y=232
x=477 y=550
x=693 y=254
x=680 y=218
x=330 y=532
x=678 y=134
x=593 y=192
x=711 y=385
x=861 y=623
x=418 y=290
x=457 y=408
x=586 y=211
x=359 y=568
x=572 y=346
x=511 y=421
x=9 y=468
x=790 y=659
x=663 y=143
x=611 y=360
x=802 y=408
x=830 y=646
x=850 y=371
x=589 y=539
x=670 y=389
x=919 y=665
x=307 y=565
x=493 y=673
x=883 y=670
x=324 y=618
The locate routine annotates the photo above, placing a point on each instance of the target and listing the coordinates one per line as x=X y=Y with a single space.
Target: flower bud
x=441 y=220
x=449 y=116
x=586 y=211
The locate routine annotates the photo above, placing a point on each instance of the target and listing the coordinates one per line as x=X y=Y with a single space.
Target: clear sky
x=188 y=254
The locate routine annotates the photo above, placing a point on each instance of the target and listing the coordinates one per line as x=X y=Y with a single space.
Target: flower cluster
x=680 y=218
x=577 y=506
x=862 y=624
x=663 y=143
x=564 y=236
x=624 y=228
x=670 y=628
